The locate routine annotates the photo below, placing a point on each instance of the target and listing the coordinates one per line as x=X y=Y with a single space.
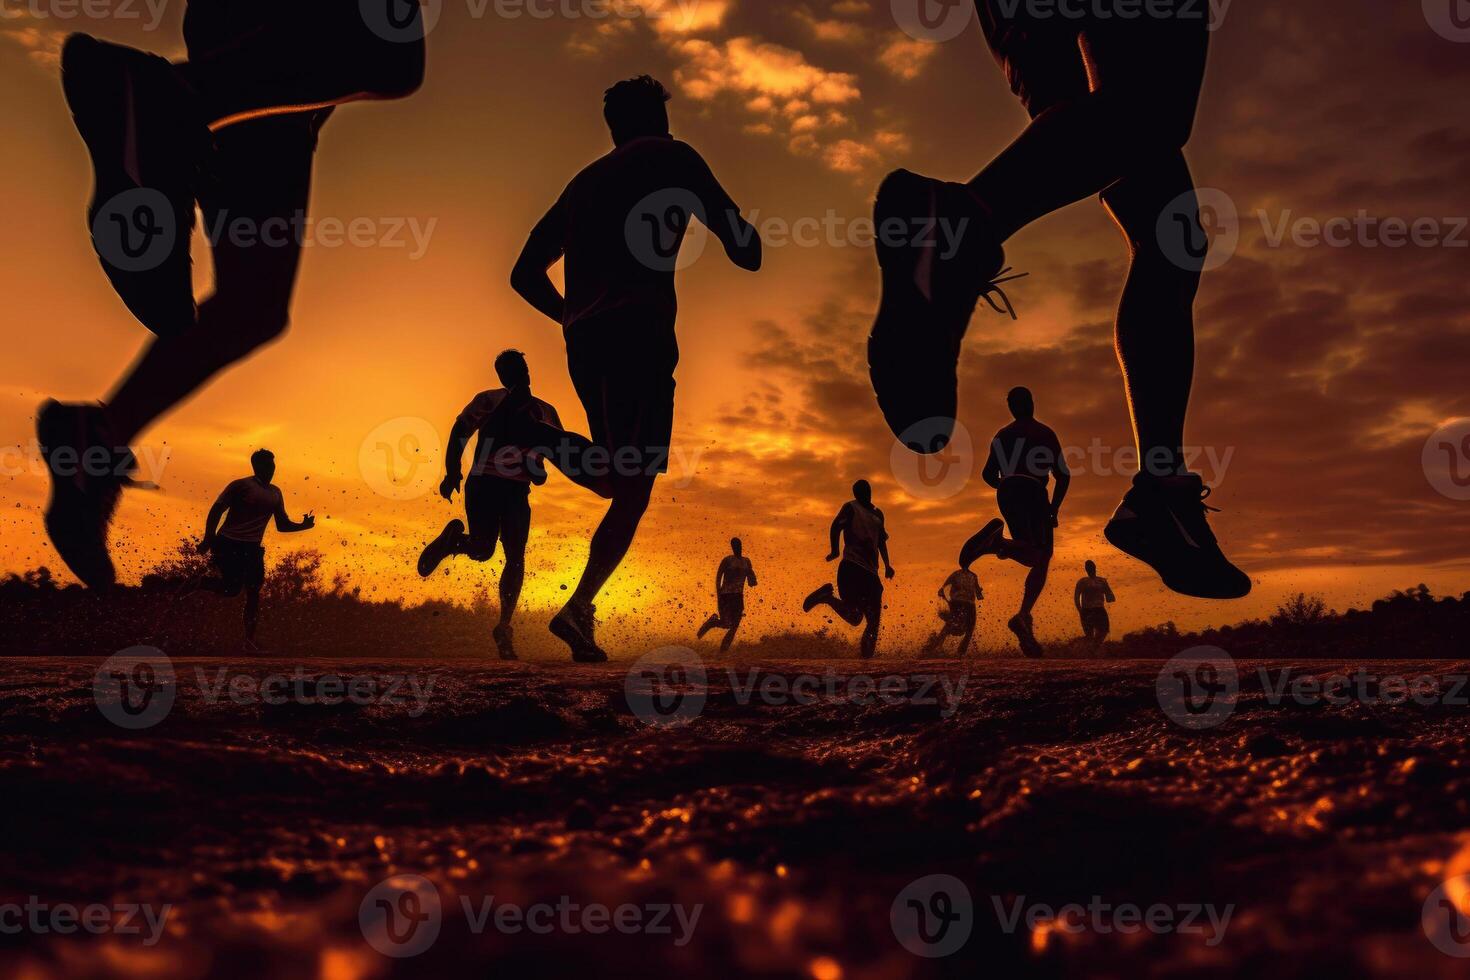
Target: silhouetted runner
x=619 y=225
x=1112 y=102
x=731 y=577
x=234 y=128
x=962 y=592
x=1091 y=597
x=1024 y=457
x=234 y=548
x=859 y=532
x=497 y=496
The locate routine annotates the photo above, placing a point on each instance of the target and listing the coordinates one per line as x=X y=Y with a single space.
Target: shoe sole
x=983 y=543
x=1134 y=547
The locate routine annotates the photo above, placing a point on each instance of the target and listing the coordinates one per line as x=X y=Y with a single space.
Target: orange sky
x=1323 y=370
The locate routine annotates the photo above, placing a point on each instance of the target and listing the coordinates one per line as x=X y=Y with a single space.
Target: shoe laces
x=993 y=287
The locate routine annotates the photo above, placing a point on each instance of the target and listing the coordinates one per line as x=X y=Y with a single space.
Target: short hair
x=636 y=107
x=1090 y=565
x=260 y=458
x=861 y=487
x=512 y=361
x=1021 y=402
x=735 y=542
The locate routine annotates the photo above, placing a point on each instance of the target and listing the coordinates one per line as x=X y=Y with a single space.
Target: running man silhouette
x=1024 y=457
x=235 y=128
x=1112 y=103
x=234 y=549
x=731 y=577
x=963 y=593
x=859 y=531
x=497 y=497
x=1091 y=597
x=619 y=226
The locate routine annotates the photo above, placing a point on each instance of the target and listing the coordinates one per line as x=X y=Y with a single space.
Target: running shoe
x=821 y=595
x=576 y=626
x=938 y=258
x=147 y=142
x=88 y=475
x=441 y=547
x=985 y=542
x=1164 y=523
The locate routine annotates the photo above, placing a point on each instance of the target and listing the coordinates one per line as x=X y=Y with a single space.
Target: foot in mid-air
x=88 y=475
x=146 y=140
x=504 y=638
x=706 y=626
x=818 y=596
x=939 y=257
x=986 y=541
x=440 y=548
x=1164 y=523
x=576 y=626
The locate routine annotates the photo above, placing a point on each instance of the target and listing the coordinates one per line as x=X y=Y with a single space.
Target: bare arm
x=1109 y=589
x=839 y=524
x=722 y=216
x=211 y=523
x=542 y=250
x=1077 y=596
x=750 y=575
x=1063 y=477
x=285 y=525
x=883 y=551
x=991 y=473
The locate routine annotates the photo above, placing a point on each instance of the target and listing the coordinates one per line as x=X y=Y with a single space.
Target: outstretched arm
x=543 y=249
x=285 y=525
x=722 y=216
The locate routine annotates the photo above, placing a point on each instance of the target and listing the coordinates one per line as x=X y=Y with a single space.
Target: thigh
x=254 y=203
x=254 y=568
x=1039 y=54
x=1159 y=61
x=483 y=511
